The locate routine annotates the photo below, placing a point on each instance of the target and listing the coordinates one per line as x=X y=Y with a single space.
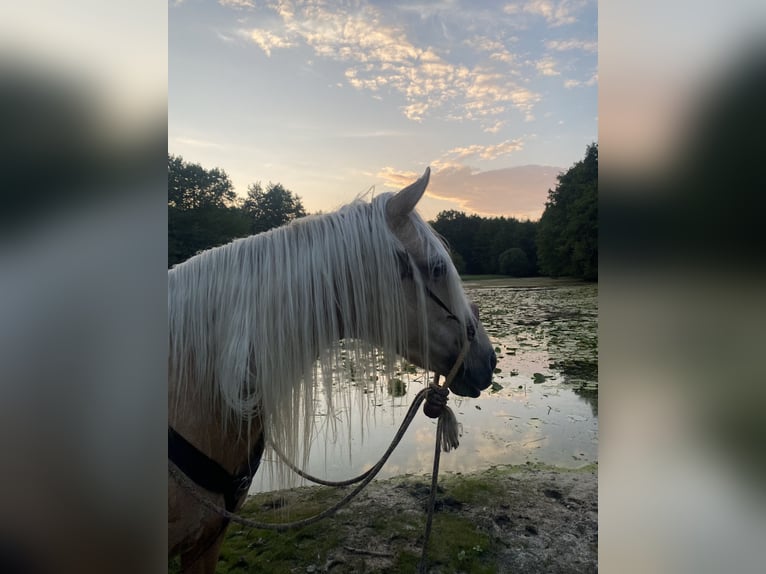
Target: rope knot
x=436 y=401
x=449 y=429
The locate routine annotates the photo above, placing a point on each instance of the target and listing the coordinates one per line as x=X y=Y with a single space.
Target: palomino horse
x=255 y=328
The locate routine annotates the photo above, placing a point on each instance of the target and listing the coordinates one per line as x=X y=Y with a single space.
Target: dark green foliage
x=477 y=243
x=274 y=207
x=458 y=261
x=567 y=238
x=191 y=186
x=202 y=210
x=459 y=230
x=514 y=262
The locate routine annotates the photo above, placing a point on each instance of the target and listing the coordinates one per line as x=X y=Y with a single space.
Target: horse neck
x=208 y=430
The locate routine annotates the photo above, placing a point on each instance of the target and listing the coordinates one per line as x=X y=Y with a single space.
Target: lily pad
x=397 y=388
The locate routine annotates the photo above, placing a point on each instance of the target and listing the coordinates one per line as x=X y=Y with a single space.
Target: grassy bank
x=527 y=518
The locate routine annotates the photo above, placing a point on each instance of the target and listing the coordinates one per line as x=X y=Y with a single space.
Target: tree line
x=567 y=238
x=204 y=211
x=563 y=243
x=489 y=245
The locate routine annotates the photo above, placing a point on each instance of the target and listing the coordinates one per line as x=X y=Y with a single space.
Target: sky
x=334 y=98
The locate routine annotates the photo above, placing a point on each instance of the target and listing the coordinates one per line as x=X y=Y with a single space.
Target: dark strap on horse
x=210 y=475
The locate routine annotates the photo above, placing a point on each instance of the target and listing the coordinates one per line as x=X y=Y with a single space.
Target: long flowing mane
x=255 y=325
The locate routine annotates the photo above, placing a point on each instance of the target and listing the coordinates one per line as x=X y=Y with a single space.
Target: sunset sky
x=330 y=98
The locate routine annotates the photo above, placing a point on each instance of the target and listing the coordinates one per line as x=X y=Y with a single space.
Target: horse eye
x=439 y=269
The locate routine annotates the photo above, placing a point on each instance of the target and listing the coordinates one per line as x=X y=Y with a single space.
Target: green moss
x=406 y=562
x=470 y=490
x=458 y=546
x=246 y=550
x=269 y=551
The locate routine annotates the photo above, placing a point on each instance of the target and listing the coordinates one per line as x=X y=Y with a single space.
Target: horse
x=258 y=326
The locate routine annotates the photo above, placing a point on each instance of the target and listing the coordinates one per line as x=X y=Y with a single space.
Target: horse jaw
x=476 y=373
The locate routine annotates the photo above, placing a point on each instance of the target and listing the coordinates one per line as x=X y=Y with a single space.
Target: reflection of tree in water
x=577 y=370
x=582 y=376
x=397 y=388
x=590 y=396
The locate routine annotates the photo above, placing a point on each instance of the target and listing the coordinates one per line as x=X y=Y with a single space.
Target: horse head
x=433 y=288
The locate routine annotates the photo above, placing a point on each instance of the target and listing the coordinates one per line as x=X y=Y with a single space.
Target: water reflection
x=546 y=410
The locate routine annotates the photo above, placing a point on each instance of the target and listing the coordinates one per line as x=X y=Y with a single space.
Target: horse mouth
x=469 y=387
x=470 y=382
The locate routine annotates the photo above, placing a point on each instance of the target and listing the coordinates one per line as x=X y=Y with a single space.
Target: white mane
x=255 y=324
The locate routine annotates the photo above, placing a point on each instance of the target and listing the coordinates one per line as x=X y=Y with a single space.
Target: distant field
x=505 y=281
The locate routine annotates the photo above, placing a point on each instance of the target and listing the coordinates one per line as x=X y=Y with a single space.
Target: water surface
x=544 y=407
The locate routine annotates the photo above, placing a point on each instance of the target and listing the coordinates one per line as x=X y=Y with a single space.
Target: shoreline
x=486 y=281
x=532 y=518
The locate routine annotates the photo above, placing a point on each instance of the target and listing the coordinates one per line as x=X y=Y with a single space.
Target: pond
x=542 y=407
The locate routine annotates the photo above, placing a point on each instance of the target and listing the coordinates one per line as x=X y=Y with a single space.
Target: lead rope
x=194 y=490
x=447 y=434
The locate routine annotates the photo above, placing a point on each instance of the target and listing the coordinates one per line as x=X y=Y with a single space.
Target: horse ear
x=401 y=204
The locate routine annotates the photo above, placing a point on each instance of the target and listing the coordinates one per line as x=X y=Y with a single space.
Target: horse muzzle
x=474 y=375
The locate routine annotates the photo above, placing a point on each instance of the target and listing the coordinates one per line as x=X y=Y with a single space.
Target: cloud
x=495 y=127
x=555 y=14
x=496 y=49
x=396 y=179
x=519 y=192
x=428 y=9
x=228 y=38
x=547 y=67
x=484 y=44
x=380 y=58
x=524 y=99
x=237 y=3
x=564 y=45
x=267 y=40
x=486 y=151
x=592 y=81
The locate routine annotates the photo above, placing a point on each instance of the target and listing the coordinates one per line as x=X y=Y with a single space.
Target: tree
x=191 y=186
x=567 y=238
x=514 y=262
x=477 y=242
x=202 y=210
x=457 y=261
x=459 y=230
x=274 y=207
x=527 y=240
